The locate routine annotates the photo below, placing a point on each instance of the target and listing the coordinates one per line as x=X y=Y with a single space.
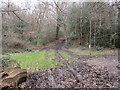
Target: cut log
x=13 y=77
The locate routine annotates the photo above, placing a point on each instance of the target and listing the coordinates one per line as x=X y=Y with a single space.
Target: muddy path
x=76 y=75
x=84 y=72
x=109 y=61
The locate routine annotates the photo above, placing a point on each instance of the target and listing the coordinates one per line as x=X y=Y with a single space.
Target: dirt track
x=101 y=61
x=108 y=61
x=76 y=75
x=86 y=72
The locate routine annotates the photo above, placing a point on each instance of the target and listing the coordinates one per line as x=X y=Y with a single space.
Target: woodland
x=59 y=44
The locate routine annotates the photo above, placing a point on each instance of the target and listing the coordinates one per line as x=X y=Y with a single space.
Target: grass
x=64 y=54
x=93 y=52
x=45 y=59
x=35 y=60
x=67 y=56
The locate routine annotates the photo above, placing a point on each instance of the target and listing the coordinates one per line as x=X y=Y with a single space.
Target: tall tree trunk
x=99 y=29
x=90 y=36
x=81 y=25
x=79 y=31
x=57 y=31
x=116 y=15
x=95 y=35
x=58 y=20
x=0 y=32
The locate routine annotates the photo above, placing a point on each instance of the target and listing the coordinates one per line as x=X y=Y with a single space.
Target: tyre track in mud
x=76 y=75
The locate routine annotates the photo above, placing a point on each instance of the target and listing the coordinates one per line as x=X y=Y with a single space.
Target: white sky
x=35 y=1
x=21 y=3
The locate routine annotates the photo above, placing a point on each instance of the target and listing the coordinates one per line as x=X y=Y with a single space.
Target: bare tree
x=61 y=12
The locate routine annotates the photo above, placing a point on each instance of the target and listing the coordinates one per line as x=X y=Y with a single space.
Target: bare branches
x=13 y=10
x=58 y=8
x=20 y=18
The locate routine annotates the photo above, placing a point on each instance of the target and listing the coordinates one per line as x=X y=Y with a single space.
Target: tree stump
x=13 y=77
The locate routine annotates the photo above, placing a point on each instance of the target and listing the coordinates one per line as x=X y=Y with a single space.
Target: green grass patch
x=64 y=54
x=67 y=56
x=35 y=60
x=45 y=59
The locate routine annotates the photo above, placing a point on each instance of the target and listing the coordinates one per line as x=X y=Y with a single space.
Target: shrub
x=113 y=47
x=30 y=49
x=7 y=62
x=98 y=48
x=82 y=48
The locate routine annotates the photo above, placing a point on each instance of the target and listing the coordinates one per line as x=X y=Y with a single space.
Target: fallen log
x=13 y=77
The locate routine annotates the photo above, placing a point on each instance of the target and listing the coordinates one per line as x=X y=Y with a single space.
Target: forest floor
x=71 y=68
x=76 y=71
x=108 y=59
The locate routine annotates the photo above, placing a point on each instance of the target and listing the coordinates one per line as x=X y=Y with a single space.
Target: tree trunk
x=0 y=32
x=81 y=26
x=99 y=29
x=90 y=35
x=95 y=35
x=57 y=32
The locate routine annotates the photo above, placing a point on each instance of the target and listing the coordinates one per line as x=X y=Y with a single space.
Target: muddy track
x=56 y=46
x=60 y=46
x=79 y=74
x=109 y=61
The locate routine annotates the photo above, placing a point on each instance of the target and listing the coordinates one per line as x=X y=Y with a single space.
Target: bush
x=68 y=43
x=7 y=62
x=113 y=47
x=14 y=43
x=30 y=49
x=82 y=48
x=98 y=48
